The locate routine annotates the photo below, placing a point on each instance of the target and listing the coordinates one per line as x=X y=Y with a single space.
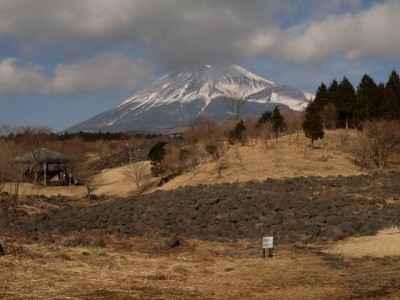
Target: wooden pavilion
x=45 y=163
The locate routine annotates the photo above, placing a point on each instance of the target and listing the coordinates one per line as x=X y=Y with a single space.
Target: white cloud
x=102 y=72
x=17 y=78
x=105 y=71
x=367 y=33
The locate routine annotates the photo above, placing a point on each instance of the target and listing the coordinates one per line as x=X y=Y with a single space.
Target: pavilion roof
x=42 y=155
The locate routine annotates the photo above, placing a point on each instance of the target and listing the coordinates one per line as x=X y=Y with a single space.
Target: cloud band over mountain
x=176 y=33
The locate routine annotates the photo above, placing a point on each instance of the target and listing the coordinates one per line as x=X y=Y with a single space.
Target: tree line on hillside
x=19 y=134
x=373 y=108
x=342 y=106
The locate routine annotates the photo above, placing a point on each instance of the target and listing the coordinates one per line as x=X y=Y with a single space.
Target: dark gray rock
x=396 y=197
x=172 y=243
x=334 y=232
x=312 y=230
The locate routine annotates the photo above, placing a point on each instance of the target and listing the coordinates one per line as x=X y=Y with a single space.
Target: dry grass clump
x=390 y=230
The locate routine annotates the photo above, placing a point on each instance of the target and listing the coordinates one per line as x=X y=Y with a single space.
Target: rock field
x=303 y=209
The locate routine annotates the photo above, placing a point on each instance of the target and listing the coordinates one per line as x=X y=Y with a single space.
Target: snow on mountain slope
x=180 y=96
x=204 y=82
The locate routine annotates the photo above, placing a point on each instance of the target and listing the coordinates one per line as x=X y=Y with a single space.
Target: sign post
x=268 y=243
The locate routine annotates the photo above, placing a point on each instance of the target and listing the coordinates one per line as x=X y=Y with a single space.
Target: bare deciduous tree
x=236 y=105
x=5 y=130
x=384 y=139
x=293 y=123
x=4 y=162
x=10 y=171
x=135 y=148
x=221 y=165
x=266 y=135
x=30 y=140
x=330 y=115
x=32 y=137
x=17 y=176
x=201 y=128
x=90 y=181
x=137 y=172
x=77 y=152
x=360 y=150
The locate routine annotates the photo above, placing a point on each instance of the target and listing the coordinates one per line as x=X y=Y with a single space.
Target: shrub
x=384 y=138
x=212 y=149
x=238 y=134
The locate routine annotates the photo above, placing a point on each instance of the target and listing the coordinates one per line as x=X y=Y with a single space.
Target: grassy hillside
x=288 y=156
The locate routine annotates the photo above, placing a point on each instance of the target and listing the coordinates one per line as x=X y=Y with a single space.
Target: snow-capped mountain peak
x=204 y=82
x=183 y=95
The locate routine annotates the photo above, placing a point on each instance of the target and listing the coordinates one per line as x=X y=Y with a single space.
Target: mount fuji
x=177 y=98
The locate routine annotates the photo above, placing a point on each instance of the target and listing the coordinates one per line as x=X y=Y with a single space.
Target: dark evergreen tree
x=333 y=91
x=265 y=118
x=156 y=155
x=312 y=125
x=390 y=107
x=346 y=103
x=278 y=122
x=394 y=80
x=368 y=99
x=332 y=95
x=322 y=96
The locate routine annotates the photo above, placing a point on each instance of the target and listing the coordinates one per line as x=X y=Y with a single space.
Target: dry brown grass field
x=355 y=268
x=199 y=270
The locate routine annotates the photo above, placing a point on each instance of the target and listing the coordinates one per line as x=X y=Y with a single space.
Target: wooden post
x=44 y=173
x=269 y=252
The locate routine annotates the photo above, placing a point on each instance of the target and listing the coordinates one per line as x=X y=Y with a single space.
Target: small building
x=45 y=164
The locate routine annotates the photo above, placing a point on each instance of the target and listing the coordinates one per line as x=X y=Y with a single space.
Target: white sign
x=268 y=242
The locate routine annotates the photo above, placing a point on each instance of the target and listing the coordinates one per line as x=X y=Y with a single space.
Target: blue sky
x=64 y=61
